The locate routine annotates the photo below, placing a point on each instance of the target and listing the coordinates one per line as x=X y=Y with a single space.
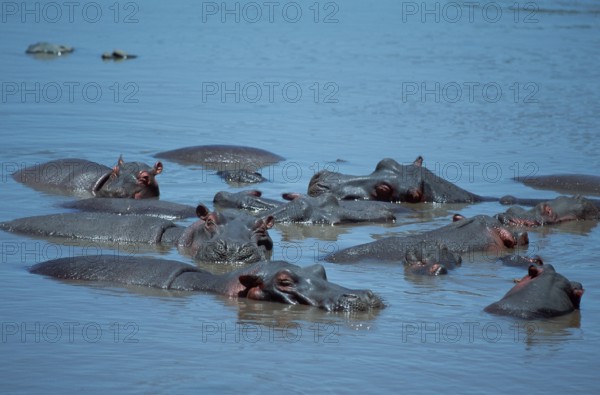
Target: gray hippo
x=550 y=212
x=325 y=209
x=520 y=260
x=117 y=55
x=83 y=178
x=217 y=237
x=48 y=49
x=542 y=293
x=481 y=233
x=565 y=183
x=222 y=157
x=241 y=177
x=391 y=182
x=276 y=281
x=152 y=207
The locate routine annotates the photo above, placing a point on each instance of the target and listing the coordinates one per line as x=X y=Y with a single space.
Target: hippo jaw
x=129 y=180
x=430 y=259
x=307 y=286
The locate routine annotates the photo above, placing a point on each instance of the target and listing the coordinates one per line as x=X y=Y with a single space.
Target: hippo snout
x=221 y=251
x=359 y=300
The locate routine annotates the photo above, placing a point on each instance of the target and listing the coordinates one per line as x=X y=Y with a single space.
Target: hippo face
x=290 y=284
x=390 y=182
x=481 y=233
x=228 y=236
x=561 y=209
x=542 y=293
x=129 y=180
x=431 y=259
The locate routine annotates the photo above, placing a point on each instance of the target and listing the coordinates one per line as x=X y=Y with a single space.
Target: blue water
x=483 y=97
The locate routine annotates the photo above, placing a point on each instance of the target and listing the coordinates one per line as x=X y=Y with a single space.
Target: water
x=482 y=99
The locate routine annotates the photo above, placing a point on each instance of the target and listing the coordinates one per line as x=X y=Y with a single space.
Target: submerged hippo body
x=542 y=293
x=324 y=209
x=565 y=183
x=550 y=212
x=223 y=237
x=480 y=233
x=84 y=178
x=273 y=281
x=391 y=182
x=222 y=157
x=241 y=177
x=48 y=49
x=152 y=207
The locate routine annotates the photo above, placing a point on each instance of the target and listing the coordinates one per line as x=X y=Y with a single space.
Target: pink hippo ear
x=158 y=168
x=457 y=217
x=269 y=221
x=290 y=195
x=120 y=162
x=254 y=192
x=418 y=161
x=202 y=212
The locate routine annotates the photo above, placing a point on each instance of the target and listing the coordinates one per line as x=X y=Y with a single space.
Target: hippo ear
x=158 y=168
x=418 y=161
x=115 y=171
x=533 y=271
x=250 y=280
x=269 y=221
x=120 y=162
x=458 y=217
x=254 y=193
x=290 y=195
x=201 y=211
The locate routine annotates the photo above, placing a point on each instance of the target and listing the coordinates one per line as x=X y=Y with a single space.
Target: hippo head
x=227 y=236
x=390 y=182
x=542 y=293
x=291 y=284
x=561 y=209
x=129 y=180
x=430 y=258
x=487 y=232
x=250 y=200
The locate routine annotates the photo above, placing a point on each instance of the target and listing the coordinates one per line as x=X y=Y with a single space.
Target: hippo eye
x=285 y=282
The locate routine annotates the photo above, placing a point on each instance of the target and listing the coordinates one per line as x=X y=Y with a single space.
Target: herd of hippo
x=120 y=205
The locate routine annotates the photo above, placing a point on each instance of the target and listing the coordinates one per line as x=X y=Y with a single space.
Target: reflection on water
x=544 y=121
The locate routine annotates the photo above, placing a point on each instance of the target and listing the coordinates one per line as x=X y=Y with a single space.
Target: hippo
x=564 y=183
x=481 y=233
x=391 y=182
x=217 y=237
x=542 y=293
x=241 y=177
x=323 y=210
x=153 y=207
x=222 y=157
x=48 y=49
x=520 y=260
x=509 y=200
x=84 y=178
x=276 y=281
x=550 y=212
x=117 y=55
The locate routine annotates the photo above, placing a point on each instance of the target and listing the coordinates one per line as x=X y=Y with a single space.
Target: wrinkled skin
x=521 y=261
x=276 y=281
x=324 y=209
x=152 y=207
x=226 y=237
x=551 y=212
x=222 y=157
x=240 y=177
x=48 y=49
x=86 y=179
x=391 y=182
x=565 y=183
x=542 y=293
x=478 y=234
